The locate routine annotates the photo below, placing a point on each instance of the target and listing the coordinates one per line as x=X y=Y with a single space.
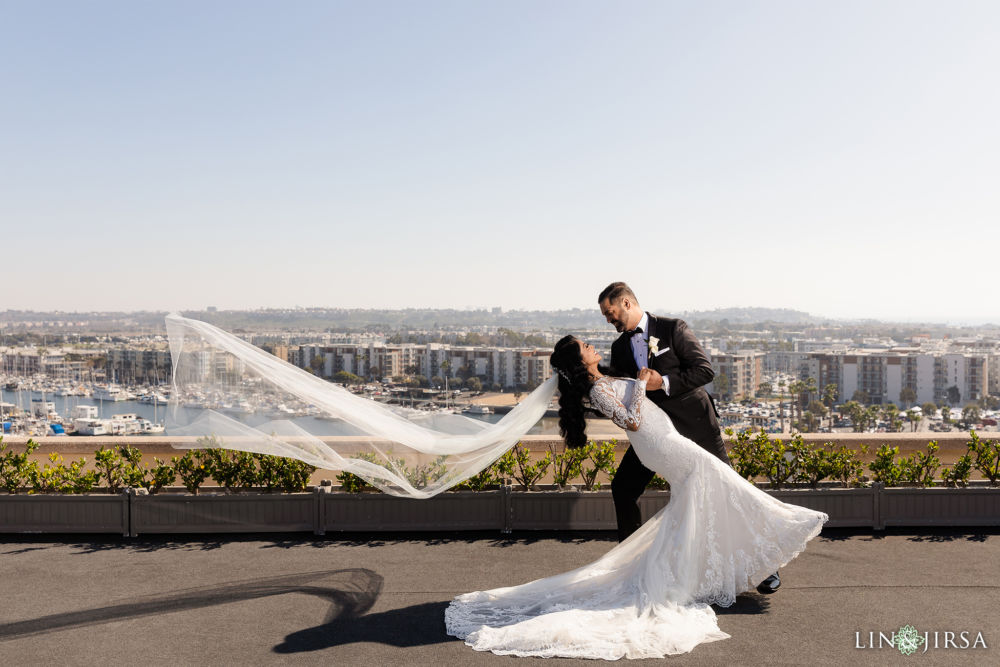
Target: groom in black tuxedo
x=680 y=368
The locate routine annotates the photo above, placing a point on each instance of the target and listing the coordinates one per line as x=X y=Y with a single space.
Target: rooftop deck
x=259 y=600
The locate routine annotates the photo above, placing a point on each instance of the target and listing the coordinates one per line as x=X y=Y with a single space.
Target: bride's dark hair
x=574 y=387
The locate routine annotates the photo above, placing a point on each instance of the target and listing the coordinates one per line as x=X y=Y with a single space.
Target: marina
x=36 y=407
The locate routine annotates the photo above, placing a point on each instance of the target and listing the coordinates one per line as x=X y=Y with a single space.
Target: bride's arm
x=602 y=396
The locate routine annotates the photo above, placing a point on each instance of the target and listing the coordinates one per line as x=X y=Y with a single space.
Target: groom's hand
x=653 y=379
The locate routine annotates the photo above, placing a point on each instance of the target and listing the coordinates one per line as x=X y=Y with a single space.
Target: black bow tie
x=632 y=332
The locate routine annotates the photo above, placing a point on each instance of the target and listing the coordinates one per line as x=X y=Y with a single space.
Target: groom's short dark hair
x=615 y=291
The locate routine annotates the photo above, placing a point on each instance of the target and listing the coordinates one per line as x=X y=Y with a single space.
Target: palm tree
x=808 y=389
x=814 y=414
x=829 y=400
x=954 y=395
x=721 y=383
x=891 y=414
x=781 y=399
x=907 y=396
x=799 y=391
x=445 y=367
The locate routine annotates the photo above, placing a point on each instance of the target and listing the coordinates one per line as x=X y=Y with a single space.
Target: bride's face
x=588 y=354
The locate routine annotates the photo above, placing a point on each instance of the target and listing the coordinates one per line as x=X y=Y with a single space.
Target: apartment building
x=883 y=375
x=131 y=365
x=55 y=363
x=508 y=367
x=743 y=371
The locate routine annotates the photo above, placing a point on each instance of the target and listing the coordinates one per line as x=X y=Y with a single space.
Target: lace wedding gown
x=649 y=596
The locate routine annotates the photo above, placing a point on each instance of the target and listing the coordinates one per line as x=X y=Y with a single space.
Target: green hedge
x=758 y=456
x=754 y=455
x=122 y=467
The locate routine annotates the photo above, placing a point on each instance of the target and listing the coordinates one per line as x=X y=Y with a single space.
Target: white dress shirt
x=640 y=343
x=640 y=348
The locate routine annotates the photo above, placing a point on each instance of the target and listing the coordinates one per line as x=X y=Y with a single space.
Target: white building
x=508 y=367
x=884 y=375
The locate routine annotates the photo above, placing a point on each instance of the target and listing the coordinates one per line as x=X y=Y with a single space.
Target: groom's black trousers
x=631 y=480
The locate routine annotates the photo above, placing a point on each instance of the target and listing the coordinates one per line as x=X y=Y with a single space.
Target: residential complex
x=737 y=374
x=901 y=375
x=876 y=369
x=507 y=367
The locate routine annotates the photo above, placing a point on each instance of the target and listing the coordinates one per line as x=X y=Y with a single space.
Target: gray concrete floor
x=379 y=600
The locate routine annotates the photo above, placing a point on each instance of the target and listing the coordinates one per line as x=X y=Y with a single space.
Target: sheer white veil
x=223 y=384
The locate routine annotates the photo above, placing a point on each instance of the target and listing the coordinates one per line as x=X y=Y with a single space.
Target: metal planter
x=224 y=513
x=847 y=508
x=502 y=510
x=573 y=510
x=460 y=510
x=972 y=506
x=59 y=513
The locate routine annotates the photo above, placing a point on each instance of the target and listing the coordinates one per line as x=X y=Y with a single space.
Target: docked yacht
x=112 y=393
x=90 y=427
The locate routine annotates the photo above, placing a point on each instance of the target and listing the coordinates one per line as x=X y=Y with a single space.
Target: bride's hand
x=653 y=379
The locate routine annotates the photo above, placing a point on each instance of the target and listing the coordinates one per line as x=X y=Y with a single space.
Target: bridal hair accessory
x=564 y=374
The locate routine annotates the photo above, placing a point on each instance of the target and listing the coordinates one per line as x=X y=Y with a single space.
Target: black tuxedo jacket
x=683 y=362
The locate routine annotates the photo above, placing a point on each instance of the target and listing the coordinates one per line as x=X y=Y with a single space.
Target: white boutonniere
x=654 y=344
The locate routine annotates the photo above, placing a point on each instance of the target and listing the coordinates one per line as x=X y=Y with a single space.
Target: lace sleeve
x=602 y=395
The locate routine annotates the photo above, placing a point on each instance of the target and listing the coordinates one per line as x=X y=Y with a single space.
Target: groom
x=680 y=368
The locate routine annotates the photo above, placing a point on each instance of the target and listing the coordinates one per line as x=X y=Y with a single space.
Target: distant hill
x=432 y=319
x=753 y=316
x=382 y=319
x=314 y=319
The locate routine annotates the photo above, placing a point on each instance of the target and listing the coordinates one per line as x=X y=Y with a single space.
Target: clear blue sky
x=835 y=157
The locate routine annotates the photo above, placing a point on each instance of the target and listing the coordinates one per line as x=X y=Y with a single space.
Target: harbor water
x=158 y=413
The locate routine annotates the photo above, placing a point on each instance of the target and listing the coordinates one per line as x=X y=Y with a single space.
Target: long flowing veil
x=229 y=393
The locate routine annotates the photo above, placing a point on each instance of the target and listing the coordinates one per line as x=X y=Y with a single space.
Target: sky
x=839 y=158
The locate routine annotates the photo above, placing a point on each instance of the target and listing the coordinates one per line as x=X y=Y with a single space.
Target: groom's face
x=620 y=313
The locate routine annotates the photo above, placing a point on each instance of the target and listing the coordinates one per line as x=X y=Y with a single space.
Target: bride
x=650 y=596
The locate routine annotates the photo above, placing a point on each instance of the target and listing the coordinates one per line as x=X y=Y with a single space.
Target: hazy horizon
x=836 y=159
x=955 y=322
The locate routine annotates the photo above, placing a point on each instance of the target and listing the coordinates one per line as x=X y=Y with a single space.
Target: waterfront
x=158 y=414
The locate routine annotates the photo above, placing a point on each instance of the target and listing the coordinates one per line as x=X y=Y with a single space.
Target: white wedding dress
x=650 y=596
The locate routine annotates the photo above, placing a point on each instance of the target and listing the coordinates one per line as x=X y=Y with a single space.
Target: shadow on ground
x=351 y=592
x=16 y=544
x=928 y=534
x=751 y=603
x=418 y=625
x=19 y=544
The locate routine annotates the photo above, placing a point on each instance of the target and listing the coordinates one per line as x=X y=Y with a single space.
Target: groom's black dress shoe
x=769 y=585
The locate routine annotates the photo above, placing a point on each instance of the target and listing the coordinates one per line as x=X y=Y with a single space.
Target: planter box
x=58 y=513
x=501 y=510
x=224 y=513
x=847 y=508
x=973 y=506
x=459 y=510
x=574 y=510
x=652 y=502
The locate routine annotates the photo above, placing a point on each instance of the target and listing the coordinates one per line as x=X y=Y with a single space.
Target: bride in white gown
x=649 y=596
